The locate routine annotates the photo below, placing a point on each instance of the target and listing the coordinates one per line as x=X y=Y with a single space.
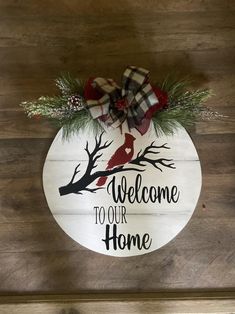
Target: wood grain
x=38 y=40
x=173 y=302
x=46 y=8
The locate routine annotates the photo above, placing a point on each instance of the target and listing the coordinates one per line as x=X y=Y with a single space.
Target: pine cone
x=75 y=100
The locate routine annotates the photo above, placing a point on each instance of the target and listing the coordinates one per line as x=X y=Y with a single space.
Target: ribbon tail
x=144 y=126
x=145 y=122
x=121 y=131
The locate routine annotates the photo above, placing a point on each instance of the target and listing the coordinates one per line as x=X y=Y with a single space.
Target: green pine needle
x=44 y=106
x=174 y=88
x=80 y=121
x=184 y=107
x=69 y=85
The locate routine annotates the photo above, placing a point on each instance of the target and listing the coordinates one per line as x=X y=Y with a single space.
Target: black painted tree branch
x=143 y=157
x=77 y=187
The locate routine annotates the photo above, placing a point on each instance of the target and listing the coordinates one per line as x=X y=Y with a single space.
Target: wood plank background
x=121 y=303
x=38 y=40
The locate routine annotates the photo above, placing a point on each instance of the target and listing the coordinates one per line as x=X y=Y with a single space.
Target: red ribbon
x=91 y=93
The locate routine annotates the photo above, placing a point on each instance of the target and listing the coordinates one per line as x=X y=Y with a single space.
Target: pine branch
x=80 y=121
x=184 y=107
x=174 y=88
x=45 y=106
x=61 y=114
x=69 y=85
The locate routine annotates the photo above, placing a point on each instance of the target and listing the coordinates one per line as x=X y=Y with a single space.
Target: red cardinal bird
x=122 y=155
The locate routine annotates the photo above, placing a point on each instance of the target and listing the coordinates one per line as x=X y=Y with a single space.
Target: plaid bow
x=135 y=102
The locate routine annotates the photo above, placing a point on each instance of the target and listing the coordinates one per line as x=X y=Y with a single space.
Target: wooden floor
x=38 y=40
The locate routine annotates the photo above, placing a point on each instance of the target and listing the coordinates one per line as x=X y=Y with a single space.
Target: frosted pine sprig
x=208 y=114
x=69 y=110
x=58 y=108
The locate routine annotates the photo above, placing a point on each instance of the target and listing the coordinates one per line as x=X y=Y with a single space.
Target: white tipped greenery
x=68 y=110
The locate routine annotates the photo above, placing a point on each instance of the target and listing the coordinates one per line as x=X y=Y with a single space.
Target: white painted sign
x=122 y=194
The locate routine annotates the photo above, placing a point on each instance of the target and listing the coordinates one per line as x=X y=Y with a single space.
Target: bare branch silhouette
x=142 y=158
x=82 y=184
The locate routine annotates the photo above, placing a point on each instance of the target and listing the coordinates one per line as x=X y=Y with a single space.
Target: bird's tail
x=101 y=181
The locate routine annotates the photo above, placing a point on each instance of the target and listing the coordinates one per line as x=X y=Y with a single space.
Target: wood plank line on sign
x=28 y=203
x=20 y=237
x=31 y=153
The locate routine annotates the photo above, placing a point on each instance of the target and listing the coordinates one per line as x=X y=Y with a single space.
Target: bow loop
x=133 y=78
x=107 y=86
x=134 y=102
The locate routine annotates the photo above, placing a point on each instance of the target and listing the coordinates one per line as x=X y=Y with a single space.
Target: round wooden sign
x=122 y=194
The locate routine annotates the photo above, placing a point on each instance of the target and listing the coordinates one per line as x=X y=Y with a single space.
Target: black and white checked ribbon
x=131 y=102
